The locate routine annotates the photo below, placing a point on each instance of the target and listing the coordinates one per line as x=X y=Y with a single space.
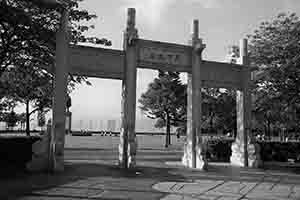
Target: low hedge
x=279 y=151
x=219 y=150
x=81 y=134
x=15 y=152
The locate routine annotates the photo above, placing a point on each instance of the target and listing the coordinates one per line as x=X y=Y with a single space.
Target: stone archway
x=122 y=64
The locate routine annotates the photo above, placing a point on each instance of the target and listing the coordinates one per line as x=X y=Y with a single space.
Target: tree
x=29 y=87
x=69 y=103
x=274 y=48
x=226 y=111
x=6 y=105
x=28 y=30
x=11 y=119
x=41 y=118
x=27 y=42
x=218 y=110
x=22 y=121
x=165 y=100
x=209 y=108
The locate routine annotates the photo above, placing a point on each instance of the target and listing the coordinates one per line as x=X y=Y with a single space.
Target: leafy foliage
x=28 y=31
x=219 y=110
x=41 y=119
x=165 y=100
x=26 y=84
x=11 y=119
x=275 y=47
x=27 y=42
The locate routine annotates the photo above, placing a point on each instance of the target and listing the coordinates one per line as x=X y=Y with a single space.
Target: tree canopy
x=28 y=31
x=27 y=42
x=218 y=110
x=275 y=47
x=165 y=100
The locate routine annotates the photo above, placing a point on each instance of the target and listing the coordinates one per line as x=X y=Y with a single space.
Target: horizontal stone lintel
x=109 y=64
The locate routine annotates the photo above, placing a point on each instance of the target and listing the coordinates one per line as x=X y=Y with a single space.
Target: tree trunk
x=269 y=129
x=169 y=138
x=166 y=140
x=210 y=122
x=27 y=119
x=168 y=131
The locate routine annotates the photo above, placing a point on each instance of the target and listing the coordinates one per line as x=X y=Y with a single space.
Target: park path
x=229 y=190
x=106 y=182
x=92 y=174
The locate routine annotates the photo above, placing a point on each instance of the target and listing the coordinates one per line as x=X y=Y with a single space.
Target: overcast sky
x=222 y=23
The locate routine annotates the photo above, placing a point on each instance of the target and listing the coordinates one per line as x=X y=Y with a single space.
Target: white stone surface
x=187 y=159
x=40 y=156
x=237 y=157
x=178 y=197
x=228 y=190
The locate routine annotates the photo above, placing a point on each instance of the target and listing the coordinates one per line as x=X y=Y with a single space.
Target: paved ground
x=269 y=186
x=92 y=174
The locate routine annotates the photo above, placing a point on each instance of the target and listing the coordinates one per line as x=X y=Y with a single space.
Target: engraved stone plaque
x=96 y=62
x=164 y=56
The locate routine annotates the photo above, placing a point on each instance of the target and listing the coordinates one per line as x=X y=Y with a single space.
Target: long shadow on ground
x=97 y=176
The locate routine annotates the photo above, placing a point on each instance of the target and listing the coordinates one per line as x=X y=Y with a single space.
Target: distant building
x=111 y=125
x=91 y=125
x=233 y=54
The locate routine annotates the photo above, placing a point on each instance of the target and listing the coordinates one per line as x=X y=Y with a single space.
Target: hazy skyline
x=222 y=23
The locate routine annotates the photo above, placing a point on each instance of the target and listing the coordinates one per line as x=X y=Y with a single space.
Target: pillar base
x=187 y=159
x=238 y=158
x=132 y=148
x=58 y=157
x=122 y=161
x=40 y=156
x=131 y=155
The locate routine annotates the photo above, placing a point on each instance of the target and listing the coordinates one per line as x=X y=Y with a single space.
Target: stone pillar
x=243 y=151
x=128 y=141
x=193 y=152
x=68 y=122
x=60 y=94
x=40 y=153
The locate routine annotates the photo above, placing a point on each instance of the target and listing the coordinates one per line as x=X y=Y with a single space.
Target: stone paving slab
x=220 y=194
x=264 y=186
x=69 y=192
x=229 y=198
x=127 y=195
x=111 y=183
x=267 y=196
x=186 y=188
x=207 y=197
x=289 y=180
x=48 y=198
x=178 y=197
x=295 y=192
x=113 y=188
x=228 y=190
x=84 y=183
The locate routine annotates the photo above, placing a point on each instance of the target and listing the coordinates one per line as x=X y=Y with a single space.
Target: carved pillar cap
x=131 y=36
x=131 y=18
x=131 y=33
x=198 y=45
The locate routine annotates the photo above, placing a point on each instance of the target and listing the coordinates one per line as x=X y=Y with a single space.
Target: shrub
x=279 y=151
x=219 y=149
x=15 y=152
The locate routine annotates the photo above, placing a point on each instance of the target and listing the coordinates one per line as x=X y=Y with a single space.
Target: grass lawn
x=104 y=149
x=112 y=142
